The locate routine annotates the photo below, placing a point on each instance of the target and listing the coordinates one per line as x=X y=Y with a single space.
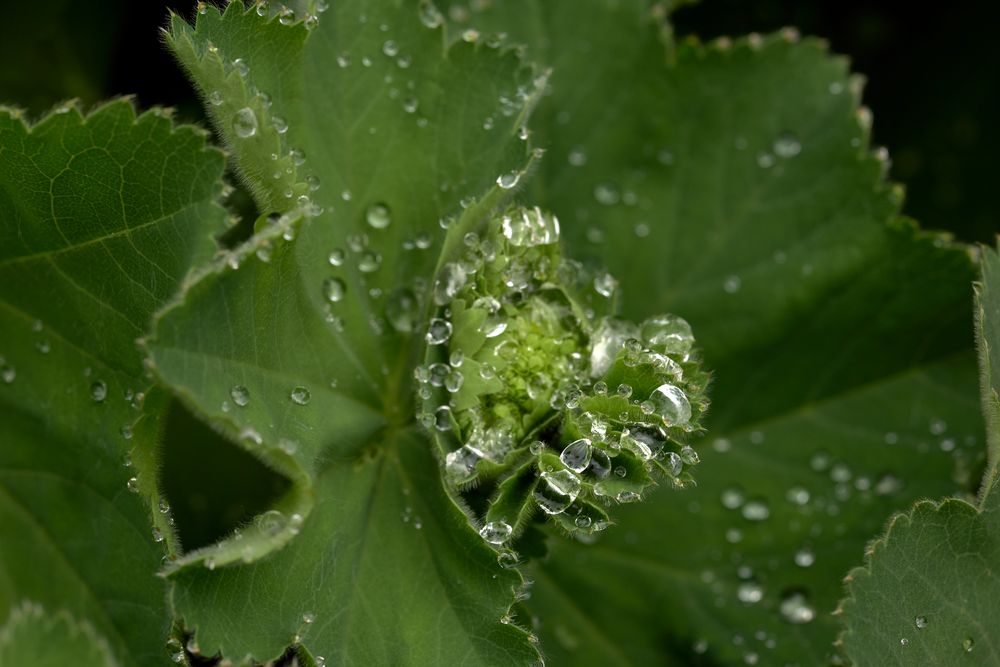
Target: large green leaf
x=733 y=184
x=928 y=594
x=304 y=353
x=100 y=219
x=32 y=637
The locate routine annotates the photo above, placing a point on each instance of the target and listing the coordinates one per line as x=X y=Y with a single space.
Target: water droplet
x=576 y=455
x=765 y=160
x=240 y=395
x=509 y=180
x=245 y=123
x=334 y=289
x=496 y=532
x=904 y=642
x=378 y=216
x=797 y=496
x=968 y=644
x=157 y=535
x=271 y=522
x=401 y=310
x=756 y=510
x=344 y=59
x=795 y=608
x=750 y=592
x=670 y=403
x=430 y=15
x=556 y=491
x=300 y=396
x=279 y=124
x=390 y=48
x=787 y=145
x=98 y=391
x=286 y=16
x=607 y=194
x=732 y=284
x=241 y=67
x=732 y=498
x=805 y=557
x=133 y=484
x=438 y=332
x=920 y=622
x=605 y=284
x=369 y=262
x=336 y=257
x=215 y=98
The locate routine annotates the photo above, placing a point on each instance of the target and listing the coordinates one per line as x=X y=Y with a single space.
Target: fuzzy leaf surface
x=928 y=592
x=379 y=130
x=100 y=220
x=732 y=184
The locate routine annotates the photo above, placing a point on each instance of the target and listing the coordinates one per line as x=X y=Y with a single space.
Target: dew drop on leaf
x=732 y=498
x=369 y=262
x=756 y=510
x=805 y=557
x=378 y=216
x=670 y=403
x=920 y=622
x=439 y=331
x=605 y=284
x=300 y=396
x=241 y=67
x=98 y=391
x=576 y=456
x=508 y=180
x=750 y=592
x=795 y=608
x=240 y=395
x=334 y=289
x=496 y=532
x=271 y=522
x=787 y=145
x=245 y=123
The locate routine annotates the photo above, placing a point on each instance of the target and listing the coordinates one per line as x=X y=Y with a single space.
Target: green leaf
x=32 y=637
x=301 y=344
x=100 y=219
x=928 y=592
x=732 y=184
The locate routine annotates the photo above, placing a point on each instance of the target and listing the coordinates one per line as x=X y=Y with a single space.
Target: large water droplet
x=920 y=622
x=576 y=456
x=245 y=123
x=669 y=333
x=300 y=396
x=670 y=403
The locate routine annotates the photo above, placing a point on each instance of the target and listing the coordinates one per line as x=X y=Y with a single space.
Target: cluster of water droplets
x=533 y=389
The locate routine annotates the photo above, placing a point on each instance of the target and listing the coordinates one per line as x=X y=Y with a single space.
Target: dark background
x=934 y=88
x=934 y=77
